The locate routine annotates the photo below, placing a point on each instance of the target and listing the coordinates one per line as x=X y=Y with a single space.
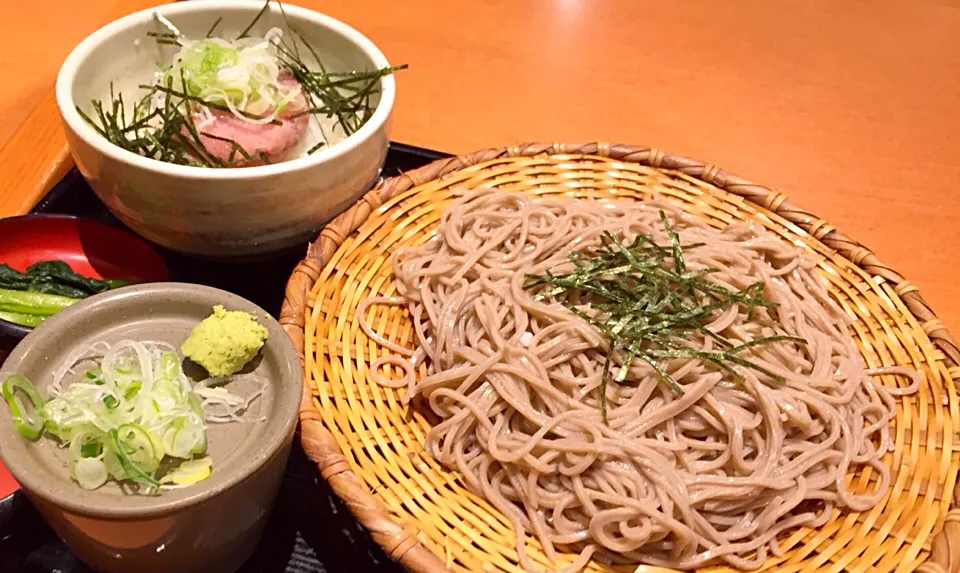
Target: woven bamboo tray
x=369 y=447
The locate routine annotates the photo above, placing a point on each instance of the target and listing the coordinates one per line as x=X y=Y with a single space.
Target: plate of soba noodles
x=607 y=358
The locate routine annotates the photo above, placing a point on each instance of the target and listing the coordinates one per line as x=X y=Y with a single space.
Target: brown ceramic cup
x=210 y=527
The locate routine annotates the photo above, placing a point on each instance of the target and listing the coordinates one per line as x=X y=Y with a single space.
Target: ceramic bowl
x=212 y=526
x=221 y=213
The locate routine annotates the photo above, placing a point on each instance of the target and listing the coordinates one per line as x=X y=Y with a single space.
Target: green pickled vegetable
x=34 y=303
x=116 y=283
x=55 y=277
x=30 y=320
x=91 y=449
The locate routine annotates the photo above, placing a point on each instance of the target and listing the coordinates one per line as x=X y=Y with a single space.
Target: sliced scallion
x=129 y=468
x=27 y=420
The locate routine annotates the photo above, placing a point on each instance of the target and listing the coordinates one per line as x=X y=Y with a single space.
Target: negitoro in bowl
x=150 y=425
x=227 y=128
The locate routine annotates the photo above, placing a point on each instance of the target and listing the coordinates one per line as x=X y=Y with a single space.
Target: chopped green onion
x=129 y=468
x=132 y=389
x=91 y=449
x=27 y=421
x=169 y=366
x=123 y=418
x=201 y=446
x=140 y=446
x=90 y=473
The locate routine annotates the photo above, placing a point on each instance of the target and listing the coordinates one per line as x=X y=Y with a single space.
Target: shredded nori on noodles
x=645 y=301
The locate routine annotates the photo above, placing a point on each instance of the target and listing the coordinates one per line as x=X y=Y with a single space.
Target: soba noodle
x=712 y=476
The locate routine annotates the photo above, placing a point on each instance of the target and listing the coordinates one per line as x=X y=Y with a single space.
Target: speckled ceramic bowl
x=221 y=213
x=210 y=527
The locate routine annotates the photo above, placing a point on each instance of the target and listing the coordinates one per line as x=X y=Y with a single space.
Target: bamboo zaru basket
x=370 y=448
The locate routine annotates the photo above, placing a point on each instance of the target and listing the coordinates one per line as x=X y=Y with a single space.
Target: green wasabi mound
x=224 y=342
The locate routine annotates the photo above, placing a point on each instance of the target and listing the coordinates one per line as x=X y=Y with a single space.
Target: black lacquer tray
x=310 y=529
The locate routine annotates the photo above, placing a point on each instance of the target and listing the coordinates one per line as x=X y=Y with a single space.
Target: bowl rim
x=272 y=443
x=68 y=112
x=13 y=329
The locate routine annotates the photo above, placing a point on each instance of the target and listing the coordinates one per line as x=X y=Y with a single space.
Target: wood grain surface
x=37 y=36
x=851 y=108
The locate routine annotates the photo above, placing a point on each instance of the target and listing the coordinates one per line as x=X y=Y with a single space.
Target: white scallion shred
x=129 y=410
x=90 y=473
x=244 y=75
x=79 y=355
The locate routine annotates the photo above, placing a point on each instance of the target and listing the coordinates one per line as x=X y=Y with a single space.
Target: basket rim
x=399 y=542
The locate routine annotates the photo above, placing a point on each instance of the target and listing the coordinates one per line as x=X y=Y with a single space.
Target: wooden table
x=852 y=108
